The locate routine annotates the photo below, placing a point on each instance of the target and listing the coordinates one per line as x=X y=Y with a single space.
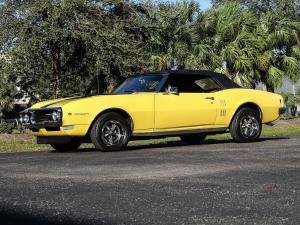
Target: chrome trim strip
x=182 y=132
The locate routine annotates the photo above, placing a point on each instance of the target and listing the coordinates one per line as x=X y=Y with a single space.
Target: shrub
x=291 y=103
x=6 y=127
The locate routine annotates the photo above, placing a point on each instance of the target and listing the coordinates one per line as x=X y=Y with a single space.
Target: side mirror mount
x=173 y=90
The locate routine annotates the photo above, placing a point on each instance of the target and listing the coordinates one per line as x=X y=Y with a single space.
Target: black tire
x=246 y=125
x=110 y=132
x=73 y=145
x=194 y=139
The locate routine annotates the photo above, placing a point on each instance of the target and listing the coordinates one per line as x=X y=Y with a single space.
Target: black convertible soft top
x=220 y=78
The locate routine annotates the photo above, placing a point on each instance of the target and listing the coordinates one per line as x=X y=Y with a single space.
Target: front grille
x=38 y=116
x=41 y=115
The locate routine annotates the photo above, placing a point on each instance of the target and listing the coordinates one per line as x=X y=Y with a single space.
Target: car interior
x=192 y=84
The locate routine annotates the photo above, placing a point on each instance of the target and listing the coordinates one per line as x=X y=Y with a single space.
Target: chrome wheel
x=112 y=133
x=249 y=126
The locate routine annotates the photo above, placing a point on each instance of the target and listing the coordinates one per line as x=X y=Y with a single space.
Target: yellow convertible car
x=189 y=104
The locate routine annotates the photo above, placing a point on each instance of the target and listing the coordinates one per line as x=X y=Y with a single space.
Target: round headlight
x=26 y=118
x=56 y=115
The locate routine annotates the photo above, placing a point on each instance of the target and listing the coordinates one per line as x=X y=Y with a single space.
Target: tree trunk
x=237 y=79
x=253 y=85
x=231 y=75
x=110 y=88
x=56 y=70
x=230 y=72
x=270 y=88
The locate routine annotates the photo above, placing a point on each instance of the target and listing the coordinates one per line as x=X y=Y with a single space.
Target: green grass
x=26 y=142
x=21 y=147
x=280 y=131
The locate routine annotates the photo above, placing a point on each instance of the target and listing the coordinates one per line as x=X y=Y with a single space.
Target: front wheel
x=110 y=132
x=246 y=125
x=193 y=139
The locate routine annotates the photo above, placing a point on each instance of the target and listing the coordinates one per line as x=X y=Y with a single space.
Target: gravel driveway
x=218 y=182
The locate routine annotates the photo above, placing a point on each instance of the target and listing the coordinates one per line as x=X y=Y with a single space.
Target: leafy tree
x=57 y=46
x=7 y=88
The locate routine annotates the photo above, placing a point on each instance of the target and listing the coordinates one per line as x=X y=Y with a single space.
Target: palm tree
x=225 y=37
x=169 y=32
x=279 y=52
x=251 y=49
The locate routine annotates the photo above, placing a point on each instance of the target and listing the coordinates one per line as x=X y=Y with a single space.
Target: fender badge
x=81 y=114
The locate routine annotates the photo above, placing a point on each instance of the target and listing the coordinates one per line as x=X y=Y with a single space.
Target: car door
x=191 y=107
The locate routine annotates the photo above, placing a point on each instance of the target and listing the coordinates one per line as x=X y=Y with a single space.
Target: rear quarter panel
x=230 y=100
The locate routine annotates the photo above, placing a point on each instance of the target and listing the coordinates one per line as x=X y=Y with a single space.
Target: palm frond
x=231 y=53
x=279 y=37
x=243 y=64
x=222 y=70
x=290 y=64
x=296 y=51
x=275 y=76
x=264 y=60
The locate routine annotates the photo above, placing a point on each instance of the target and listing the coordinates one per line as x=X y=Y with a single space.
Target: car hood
x=82 y=101
x=59 y=102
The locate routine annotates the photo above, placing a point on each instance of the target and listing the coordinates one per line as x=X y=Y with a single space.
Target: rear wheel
x=110 y=132
x=194 y=139
x=72 y=145
x=246 y=125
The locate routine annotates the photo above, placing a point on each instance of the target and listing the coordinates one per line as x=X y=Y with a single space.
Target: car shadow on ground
x=15 y=216
x=171 y=144
x=209 y=141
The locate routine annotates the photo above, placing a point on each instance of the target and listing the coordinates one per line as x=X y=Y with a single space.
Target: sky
x=204 y=4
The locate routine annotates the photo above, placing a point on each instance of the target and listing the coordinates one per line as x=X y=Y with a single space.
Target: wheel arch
x=250 y=105
x=120 y=111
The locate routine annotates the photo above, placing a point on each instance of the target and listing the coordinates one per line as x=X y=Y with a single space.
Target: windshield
x=142 y=83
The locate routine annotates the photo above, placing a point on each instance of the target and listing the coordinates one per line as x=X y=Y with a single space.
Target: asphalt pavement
x=219 y=182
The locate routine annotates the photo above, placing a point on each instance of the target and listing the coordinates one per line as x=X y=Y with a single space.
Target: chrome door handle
x=210 y=98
